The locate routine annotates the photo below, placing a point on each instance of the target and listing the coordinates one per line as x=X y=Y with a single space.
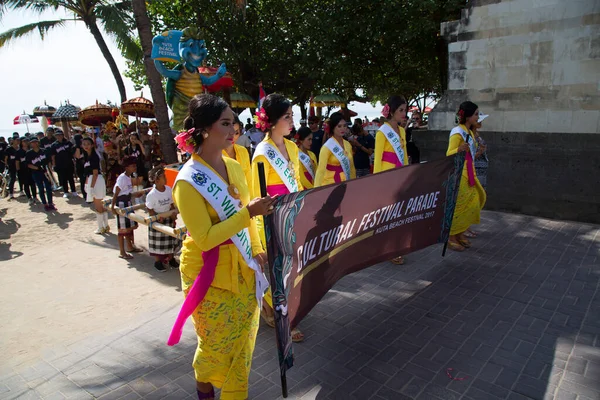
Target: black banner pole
x=456 y=189
x=268 y=221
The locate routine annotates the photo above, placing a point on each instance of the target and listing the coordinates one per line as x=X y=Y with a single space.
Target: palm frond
x=118 y=21
x=37 y=6
x=42 y=27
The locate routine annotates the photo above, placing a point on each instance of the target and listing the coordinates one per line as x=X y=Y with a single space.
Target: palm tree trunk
x=167 y=142
x=93 y=27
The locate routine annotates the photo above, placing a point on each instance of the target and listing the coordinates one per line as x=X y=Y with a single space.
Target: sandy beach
x=61 y=282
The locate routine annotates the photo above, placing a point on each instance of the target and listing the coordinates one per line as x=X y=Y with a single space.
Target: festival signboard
x=318 y=236
x=165 y=47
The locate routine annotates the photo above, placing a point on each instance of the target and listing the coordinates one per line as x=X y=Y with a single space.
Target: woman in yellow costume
x=222 y=257
x=308 y=160
x=336 y=163
x=280 y=159
x=239 y=153
x=471 y=195
x=390 y=142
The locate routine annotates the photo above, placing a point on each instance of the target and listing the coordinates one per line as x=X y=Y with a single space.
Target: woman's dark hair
x=89 y=139
x=394 y=103
x=466 y=110
x=203 y=111
x=334 y=120
x=303 y=133
x=276 y=105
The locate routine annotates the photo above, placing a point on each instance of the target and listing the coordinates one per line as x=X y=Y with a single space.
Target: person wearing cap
x=62 y=159
x=13 y=163
x=46 y=141
x=122 y=195
x=302 y=124
x=24 y=174
x=37 y=160
x=95 y=187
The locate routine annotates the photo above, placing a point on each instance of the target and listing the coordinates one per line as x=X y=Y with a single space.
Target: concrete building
x=534 y=66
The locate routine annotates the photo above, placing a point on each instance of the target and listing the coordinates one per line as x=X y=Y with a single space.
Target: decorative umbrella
x=225 y=82
x=138 y=107
x=328 y=100
x=95 y=115
x=44 y=111
x=242 y=100
x=348 y=113
x=25 y=119
x=66 y=114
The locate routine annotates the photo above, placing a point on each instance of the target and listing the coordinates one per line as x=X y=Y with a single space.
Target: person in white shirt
x=123 y=192
x=159 y=201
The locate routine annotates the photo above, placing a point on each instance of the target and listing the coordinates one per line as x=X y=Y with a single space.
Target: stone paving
x=516 y=317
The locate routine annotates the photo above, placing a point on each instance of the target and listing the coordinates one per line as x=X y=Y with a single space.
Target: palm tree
x=114 y=16
x=142 y=21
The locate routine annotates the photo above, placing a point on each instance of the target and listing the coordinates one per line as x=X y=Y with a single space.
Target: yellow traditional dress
x=384 y=151
x=471 y=199
x=226 y=321
x=274 y=183
x=304 y=174
x=243 y=157
x=329 y=166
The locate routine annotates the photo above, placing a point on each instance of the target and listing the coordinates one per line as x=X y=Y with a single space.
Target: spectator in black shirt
x=25 y=173
x=12 y=161
x=37 y=160
x=416 y=122
x=46 y=141
x=318 y=134
x=365 y=145
x=135 y=149
x=78 y=156
x=62 y=160
x=3 y=147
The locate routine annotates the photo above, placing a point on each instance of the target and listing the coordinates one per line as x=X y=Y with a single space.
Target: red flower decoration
x=261 y=120
x=386 y=111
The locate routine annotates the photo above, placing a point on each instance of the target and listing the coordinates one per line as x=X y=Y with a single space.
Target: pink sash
x=470 y=168
x=338 y=172
x=277 y=190
x=308 y=176
x=392 y=158
x=197 y=292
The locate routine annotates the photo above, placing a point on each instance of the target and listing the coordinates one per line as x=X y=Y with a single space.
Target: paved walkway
x=515 y=318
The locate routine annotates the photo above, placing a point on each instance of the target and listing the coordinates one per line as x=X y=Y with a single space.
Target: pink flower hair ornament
x=386 y=111
x=261 y=120
x=185 y=141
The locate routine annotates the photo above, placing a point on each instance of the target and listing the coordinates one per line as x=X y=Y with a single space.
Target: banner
x=320 y=235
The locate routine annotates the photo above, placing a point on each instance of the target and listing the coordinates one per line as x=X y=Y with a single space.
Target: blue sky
x=66 y=65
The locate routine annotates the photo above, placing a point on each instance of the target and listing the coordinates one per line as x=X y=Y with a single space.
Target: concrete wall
x=534 y=66
x=554 y=175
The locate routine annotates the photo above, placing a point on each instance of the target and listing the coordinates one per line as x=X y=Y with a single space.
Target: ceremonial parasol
x=25 y=119
x=328 y=100
x=138 y=107
x=225 y=82
x=45 y=112
x=95 y=115
x=242 y=100
x=65 y=114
